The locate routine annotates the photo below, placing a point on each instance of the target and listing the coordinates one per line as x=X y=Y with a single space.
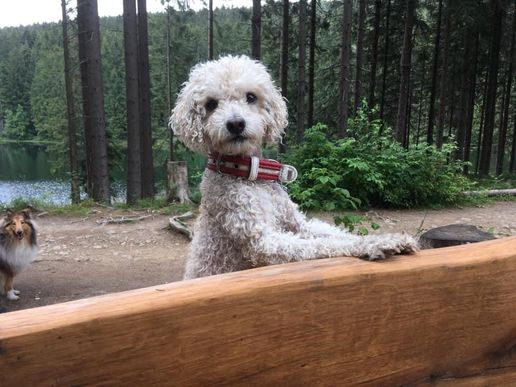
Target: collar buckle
x=288 y=174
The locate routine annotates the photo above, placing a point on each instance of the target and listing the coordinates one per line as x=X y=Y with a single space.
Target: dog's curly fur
x=245 y=224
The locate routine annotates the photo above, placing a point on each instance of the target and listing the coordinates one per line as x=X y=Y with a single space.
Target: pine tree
x=93 y=101
x=344 y=68
x=70 y=112
x=405 y=68
x=134 y=177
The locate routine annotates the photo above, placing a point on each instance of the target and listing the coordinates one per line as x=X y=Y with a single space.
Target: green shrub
x=369 y=168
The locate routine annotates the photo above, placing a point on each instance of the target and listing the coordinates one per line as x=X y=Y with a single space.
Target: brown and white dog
x=18 y=248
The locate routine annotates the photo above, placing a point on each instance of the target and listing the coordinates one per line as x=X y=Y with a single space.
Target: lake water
x=25 y=173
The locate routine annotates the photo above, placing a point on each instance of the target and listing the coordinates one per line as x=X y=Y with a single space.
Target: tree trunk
x=210 y=29
x=406 y=55
x=301 y=81
x=512 y=162
x=464 y=97
x=177 y=188
x=470 y=107
x=502 y=135
x=360 y=54
x=93 y=101
x=420 y=110
x=75 y=194
x=431 y=110
x=482 y=123
x=134 y=181
x=487 y=142
x=406 y=137
x=374 y=54
x=385 y=59
x=147 y=166
x=284 y=61
x=171 y=156
x=256 y=27
x=344 y=68
x=443 y=82
x=311 y=63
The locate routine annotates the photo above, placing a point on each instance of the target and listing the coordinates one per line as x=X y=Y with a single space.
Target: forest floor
x=83 y=256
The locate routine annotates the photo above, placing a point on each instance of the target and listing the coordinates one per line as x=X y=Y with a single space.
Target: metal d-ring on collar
x=288 y=174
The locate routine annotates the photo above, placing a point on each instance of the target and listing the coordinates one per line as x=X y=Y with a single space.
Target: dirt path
x=79 y=258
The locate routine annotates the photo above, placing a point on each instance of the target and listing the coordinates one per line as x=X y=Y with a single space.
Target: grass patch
x=159 y=204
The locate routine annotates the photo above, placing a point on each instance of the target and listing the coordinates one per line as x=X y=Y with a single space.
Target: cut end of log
x=453 y=235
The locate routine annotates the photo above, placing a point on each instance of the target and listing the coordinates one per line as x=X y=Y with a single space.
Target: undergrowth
x=369 y=168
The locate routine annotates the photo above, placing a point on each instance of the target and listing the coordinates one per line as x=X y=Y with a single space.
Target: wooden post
x=441 y=317
x=177 y=189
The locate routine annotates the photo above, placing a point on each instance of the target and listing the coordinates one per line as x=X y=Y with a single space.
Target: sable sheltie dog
x=18 y=247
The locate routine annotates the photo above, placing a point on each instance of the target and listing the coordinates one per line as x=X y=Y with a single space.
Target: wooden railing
x=444 y=316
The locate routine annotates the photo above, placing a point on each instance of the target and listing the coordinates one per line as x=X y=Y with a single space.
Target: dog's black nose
x=235 y=125
x=19 y=233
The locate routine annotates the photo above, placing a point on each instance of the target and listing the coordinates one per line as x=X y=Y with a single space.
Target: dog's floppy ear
x=187 y=119
x=276 y=119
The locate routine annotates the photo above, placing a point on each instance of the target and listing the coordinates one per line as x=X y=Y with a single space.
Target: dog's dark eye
x=211 y=105
x=251 y=97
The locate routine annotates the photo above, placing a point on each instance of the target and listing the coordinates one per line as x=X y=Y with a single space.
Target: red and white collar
x=252 y=168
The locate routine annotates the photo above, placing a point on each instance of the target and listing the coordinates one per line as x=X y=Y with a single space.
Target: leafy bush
x=369 y=168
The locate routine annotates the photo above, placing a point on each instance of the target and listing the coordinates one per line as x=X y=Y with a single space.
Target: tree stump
x=453 y=235
x=177 y=188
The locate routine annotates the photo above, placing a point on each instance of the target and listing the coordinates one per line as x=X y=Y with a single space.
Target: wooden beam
x=438 y=317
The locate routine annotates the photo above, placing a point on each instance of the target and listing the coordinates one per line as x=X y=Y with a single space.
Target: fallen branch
x=177 y=223
x=492 y=192
x=80 y=220
x=122 y=219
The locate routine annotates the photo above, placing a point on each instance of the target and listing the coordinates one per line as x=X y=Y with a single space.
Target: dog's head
x=18 y=225
x=230 y=106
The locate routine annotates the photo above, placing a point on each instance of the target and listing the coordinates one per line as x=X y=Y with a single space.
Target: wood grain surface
x=441 y=317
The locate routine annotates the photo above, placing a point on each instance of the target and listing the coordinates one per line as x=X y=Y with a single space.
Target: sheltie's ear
x=8 y=213
x=26 y=212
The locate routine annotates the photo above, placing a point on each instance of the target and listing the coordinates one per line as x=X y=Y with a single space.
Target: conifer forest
x=391 y=102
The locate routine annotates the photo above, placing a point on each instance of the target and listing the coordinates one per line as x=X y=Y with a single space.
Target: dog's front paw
x=390 y=245
x=11 y=295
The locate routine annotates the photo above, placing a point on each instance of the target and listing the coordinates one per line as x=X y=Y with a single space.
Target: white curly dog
x=227 y=109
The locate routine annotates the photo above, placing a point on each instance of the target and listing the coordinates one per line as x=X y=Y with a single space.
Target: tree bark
x=171 y=156
x=464 y=96
x=470 y=107
x=256 y=27
x=210 y=29
x=360 y=54
x=502 y=135
x=512 y=162
x=311 y=63
x=487 y=142
x=482 y=122
x=134 y=181
x=405 y=67
x=93 y=101
x=344 y=68
x=443 y=81
x=301 y=81
x=177 y=188
x=431 y=110
x=374 y=53
x=75 y=194
x=385 y=59
x=147 y=165
x=284 y=61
